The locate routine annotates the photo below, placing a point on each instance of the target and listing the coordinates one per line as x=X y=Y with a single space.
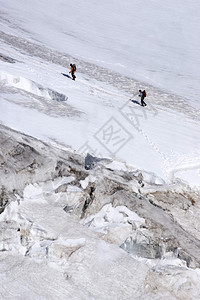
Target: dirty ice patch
x=106 y=252
x=56 y=251
x=110 y=216
x=39 y=190
x=33 y=191
x=152 y=178
x=84 y=183
x=10 y=212
x=117 y=165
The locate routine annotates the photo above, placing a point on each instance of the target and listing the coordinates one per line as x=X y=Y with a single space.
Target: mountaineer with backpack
x=73 y=70
x=142 y=95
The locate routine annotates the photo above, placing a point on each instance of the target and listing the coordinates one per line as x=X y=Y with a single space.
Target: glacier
x=99 y=197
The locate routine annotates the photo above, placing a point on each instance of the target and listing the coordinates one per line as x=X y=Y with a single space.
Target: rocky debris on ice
x=50 y=201
x=85 y=192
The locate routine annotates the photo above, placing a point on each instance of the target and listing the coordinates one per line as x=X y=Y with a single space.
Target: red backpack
x=74 y=67
x=144 y=93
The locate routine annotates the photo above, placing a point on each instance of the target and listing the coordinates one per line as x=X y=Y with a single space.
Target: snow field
x=150 y=41
x=144 y=141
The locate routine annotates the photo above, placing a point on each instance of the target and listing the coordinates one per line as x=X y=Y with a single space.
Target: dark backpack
x=144 y=94
x=74 y=67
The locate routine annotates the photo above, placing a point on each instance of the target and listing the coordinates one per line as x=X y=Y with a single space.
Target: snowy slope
x=154 y=42
x=156 y=139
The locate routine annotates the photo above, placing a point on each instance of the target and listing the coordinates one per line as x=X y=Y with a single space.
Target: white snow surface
x=99 y=119
x=118 y=47
x=155 y=42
